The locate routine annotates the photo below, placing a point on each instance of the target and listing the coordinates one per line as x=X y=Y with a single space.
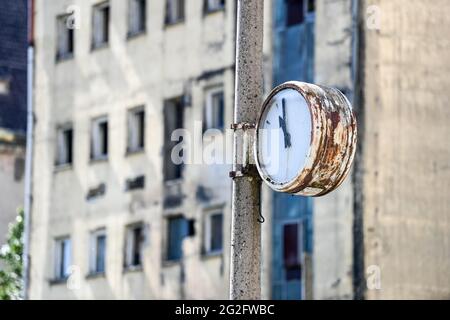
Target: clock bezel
x=333 y=141
x=293 y=183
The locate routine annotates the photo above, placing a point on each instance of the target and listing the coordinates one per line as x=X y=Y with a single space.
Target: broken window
x=214 y=109
x=137 y=17
x=98 y=252
x=135 y=184
x=100 y=32
x=311 y=6
x=292 y=244
x=177 y=230
x=298 y=10
x=62 y=258
x=213 y=235
x=65 y=41
x=65 y=146
x=136 y=130
x=173 y=119
x=99 y=146
x=214 y=5
x=294 y=12
x=174 y=11
x=134 y=245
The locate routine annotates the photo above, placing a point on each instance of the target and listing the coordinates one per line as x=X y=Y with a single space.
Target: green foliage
x=11 y=261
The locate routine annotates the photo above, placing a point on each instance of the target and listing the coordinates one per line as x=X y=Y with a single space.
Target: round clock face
x=284 y=136
x=306 y=139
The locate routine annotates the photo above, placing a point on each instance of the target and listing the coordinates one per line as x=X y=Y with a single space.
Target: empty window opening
x=65 y=41
x=137 y=17
x=173 y=119
x=100 y=33
x=214 y=5
x=135 y=239
x=65 y=147
x=213 y=236
x=99 y=139
x=174 y=11
x=292 y=251
x=136 y=130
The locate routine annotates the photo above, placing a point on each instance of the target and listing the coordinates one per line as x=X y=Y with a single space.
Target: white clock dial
x=306 y=139
x=284 y=136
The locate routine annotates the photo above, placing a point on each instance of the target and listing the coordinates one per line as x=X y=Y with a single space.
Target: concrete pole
x=245 y=270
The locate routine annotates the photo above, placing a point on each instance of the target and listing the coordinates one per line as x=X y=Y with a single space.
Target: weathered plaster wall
x=332 y=251
x=160 y=64
x=406 y=157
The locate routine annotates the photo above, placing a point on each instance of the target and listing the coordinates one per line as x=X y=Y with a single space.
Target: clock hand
x=283 y=125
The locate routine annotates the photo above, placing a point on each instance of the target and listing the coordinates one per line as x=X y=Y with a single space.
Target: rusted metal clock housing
x=332 y=146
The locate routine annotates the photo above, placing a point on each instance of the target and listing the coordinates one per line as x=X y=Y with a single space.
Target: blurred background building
x=13 y=107
x=113 y=217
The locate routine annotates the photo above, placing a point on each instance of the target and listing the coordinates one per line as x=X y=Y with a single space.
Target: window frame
x=134 y=132
x=210 y=122
x=307 y=14
x=207 y=232
x=93 y=252
x=130 y=245
x=61 y=56
x=60 y=259
x=207 y=9
x=61 y=144
x=143 y=28
x=300 y=245
x=177 y=106
x=96 y=8
x=179 y=20
x=167 y=259
x=95 y=139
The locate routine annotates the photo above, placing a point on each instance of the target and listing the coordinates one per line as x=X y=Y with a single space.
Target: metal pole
x=245 y=269
x=29 y=154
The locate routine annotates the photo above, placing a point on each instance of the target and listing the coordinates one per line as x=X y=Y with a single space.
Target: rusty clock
x=305 y=139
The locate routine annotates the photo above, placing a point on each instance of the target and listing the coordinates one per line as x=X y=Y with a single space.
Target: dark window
x=19 y=167
x=65 y=146
x=214 y=5
x=176 y=231
x=311 y=6
x=294 y=12
x=136 y=130
x=100 y=139
x=291 y=251
x=135 y=184
x=174 y=11
x=214 y=233
x=173 y=119
x=65 y=41
x=135 y=242
x=137 y=17
x=100 y=32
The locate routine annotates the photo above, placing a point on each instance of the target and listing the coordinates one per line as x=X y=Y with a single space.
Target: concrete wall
x=163 y=63
x=406 y=155
x=333 y=214
x=12 y=164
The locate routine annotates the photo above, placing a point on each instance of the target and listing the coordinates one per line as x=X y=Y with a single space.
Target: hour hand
x=287 y=136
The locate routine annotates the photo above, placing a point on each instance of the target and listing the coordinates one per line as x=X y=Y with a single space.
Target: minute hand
x=282 y=121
